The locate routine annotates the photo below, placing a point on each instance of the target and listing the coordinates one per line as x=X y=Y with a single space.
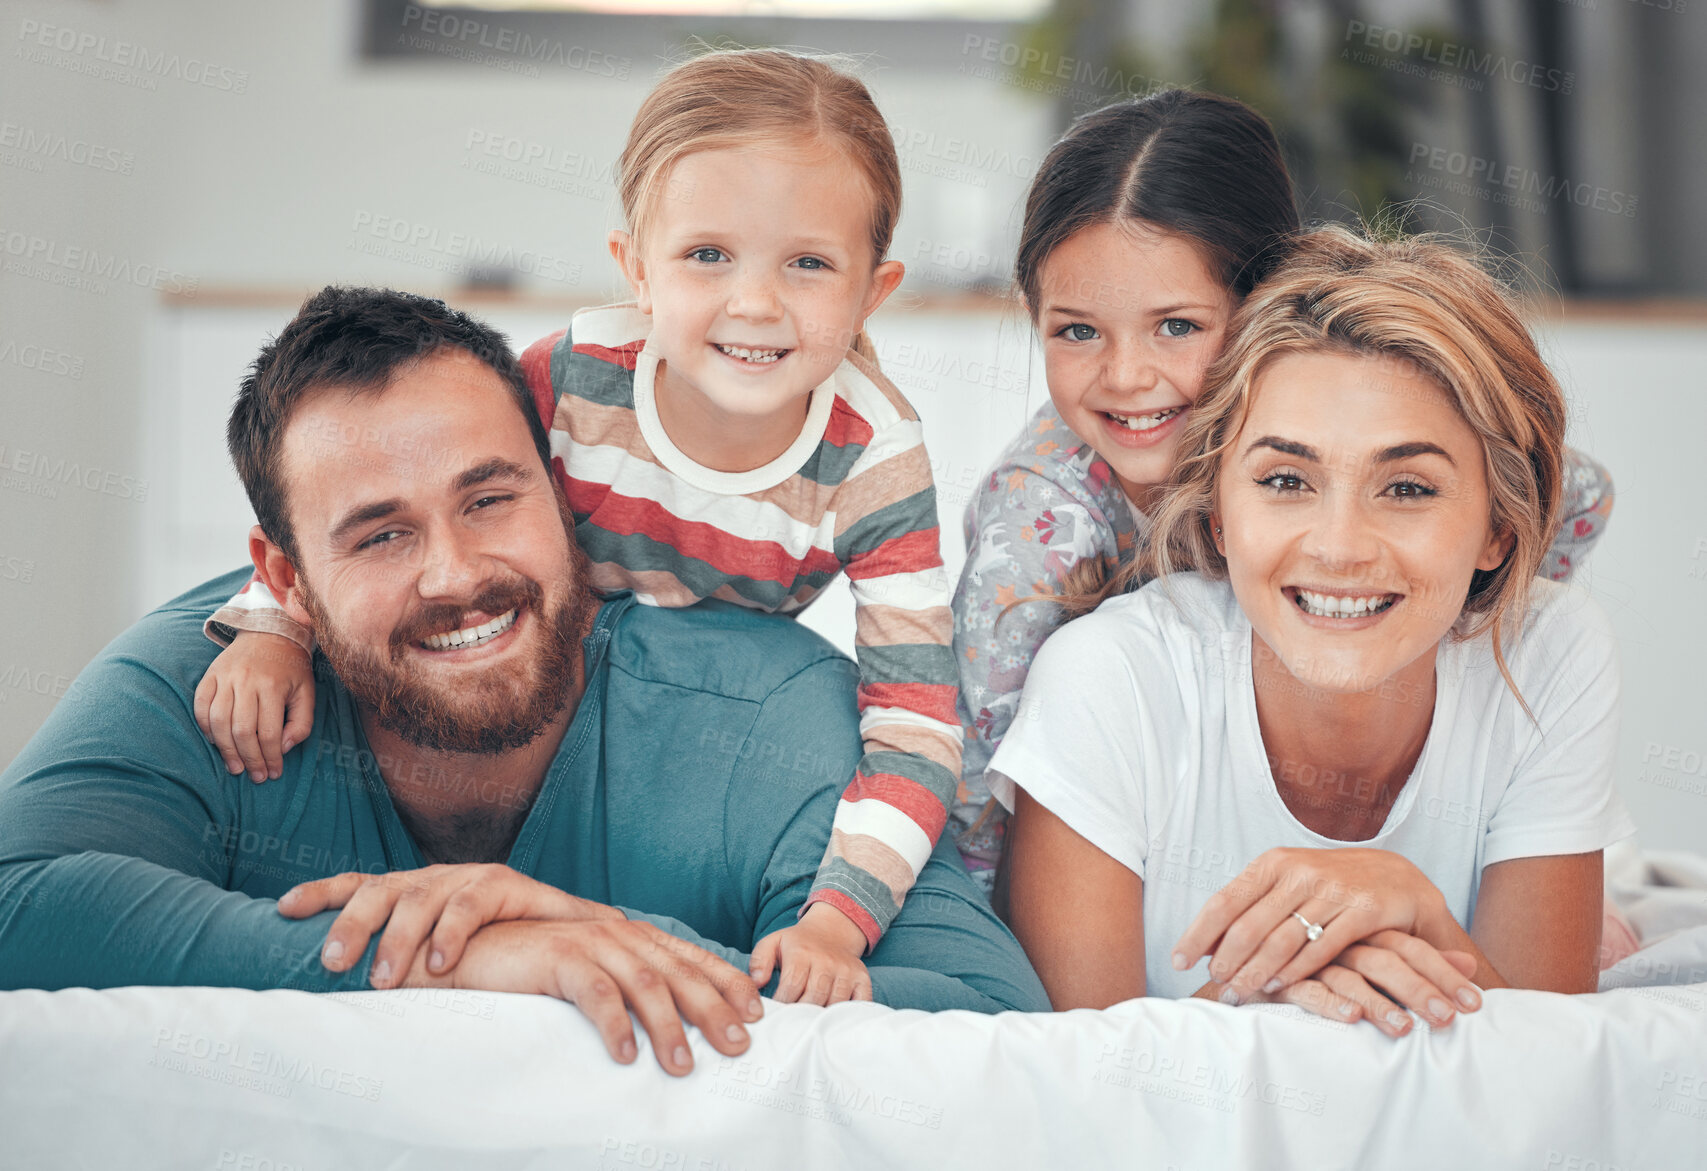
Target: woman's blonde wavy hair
x=744 y=98
x=1420 y=301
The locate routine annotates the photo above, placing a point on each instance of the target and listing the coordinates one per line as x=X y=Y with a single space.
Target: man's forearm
x=105 y=921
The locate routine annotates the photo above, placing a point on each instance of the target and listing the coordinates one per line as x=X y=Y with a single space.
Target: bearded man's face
x=435 y=562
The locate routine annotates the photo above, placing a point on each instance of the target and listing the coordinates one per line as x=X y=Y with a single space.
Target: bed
x=281 y=1081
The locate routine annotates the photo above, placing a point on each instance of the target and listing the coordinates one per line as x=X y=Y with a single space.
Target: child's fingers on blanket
x=792 y=985
x=763 y=960
x=849 y=986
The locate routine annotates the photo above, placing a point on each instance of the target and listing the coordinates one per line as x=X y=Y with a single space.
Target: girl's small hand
x=1377 y=979
x=820 y=958
x=1255 y=926
x=449 y=902
x=256 y=702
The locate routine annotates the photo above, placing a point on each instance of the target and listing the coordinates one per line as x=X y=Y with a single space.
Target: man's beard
x=496 y=710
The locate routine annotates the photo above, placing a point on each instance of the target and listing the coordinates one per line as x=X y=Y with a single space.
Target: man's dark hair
x=357 y=340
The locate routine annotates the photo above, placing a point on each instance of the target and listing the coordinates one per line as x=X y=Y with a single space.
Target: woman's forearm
x=1444 y=932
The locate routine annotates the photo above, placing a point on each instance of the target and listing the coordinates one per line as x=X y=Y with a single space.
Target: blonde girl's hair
x=744 y=98
x=1420 y=302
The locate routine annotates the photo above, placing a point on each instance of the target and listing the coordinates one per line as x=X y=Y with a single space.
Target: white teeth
x=1145 y=422
x=761 y=357
x=1336 y=606
x=473 y=635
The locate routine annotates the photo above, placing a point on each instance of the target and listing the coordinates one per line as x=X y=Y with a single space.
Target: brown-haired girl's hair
x=1200 y=165
x=1420 y=302
x=735 y=98
x=1203 y=166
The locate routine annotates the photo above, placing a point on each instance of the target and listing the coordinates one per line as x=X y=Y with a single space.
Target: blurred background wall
x=174 y=177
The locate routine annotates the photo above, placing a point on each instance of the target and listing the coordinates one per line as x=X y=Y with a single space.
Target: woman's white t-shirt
x=1138 y=728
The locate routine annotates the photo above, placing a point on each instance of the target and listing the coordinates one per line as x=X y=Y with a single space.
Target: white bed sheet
x=223 y=1078
x=286 y=1081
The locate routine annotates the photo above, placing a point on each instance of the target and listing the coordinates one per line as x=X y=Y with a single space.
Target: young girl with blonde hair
x=1345 y=746
x=727 y=436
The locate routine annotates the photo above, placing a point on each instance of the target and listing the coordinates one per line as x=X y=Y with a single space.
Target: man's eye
x=485 y=500
x=1178 y=327
x=707 y=255
x=1077 y=332
x=378 y=539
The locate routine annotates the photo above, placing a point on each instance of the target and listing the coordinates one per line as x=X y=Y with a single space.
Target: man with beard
x=654 y=787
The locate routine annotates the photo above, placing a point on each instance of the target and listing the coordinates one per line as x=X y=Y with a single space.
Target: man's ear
x=627 y=257
x=274 y=568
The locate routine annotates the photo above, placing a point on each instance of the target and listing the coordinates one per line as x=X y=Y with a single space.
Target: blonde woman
x=1345 y=747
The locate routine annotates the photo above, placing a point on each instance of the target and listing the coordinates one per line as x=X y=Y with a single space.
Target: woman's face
x=1130 y=317
x=1354 y=509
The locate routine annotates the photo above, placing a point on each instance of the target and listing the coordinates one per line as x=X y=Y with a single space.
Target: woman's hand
x=450 y=903
x=1378 y=978
x=1255 y=927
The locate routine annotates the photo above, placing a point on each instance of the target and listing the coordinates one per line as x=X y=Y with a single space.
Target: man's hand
x=606 y=967
x=820 y=958
x=450 y=902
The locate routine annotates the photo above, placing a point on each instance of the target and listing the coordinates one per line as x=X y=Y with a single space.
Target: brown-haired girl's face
x=1130 y=318
x=1354 y=510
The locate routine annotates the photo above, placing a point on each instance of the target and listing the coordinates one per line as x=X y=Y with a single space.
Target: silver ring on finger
x=1312 y=931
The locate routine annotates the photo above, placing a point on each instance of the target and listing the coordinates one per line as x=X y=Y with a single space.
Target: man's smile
x=471 y=636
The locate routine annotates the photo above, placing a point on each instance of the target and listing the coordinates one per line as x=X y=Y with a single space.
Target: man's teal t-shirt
x=694 y=788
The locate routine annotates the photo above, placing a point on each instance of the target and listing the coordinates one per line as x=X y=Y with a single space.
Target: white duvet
x=220 y=1078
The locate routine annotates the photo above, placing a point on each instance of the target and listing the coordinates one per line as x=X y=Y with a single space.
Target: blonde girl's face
x=757 y=270
x=1354 y=510
x=1130 y=318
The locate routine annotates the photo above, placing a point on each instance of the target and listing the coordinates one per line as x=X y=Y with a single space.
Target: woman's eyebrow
x=1416 y=447
x=1285 y=446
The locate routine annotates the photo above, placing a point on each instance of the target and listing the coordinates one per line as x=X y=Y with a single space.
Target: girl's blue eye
x=811 y=262
x=1178 y=327
x=707 y=255
x=1077 y=332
